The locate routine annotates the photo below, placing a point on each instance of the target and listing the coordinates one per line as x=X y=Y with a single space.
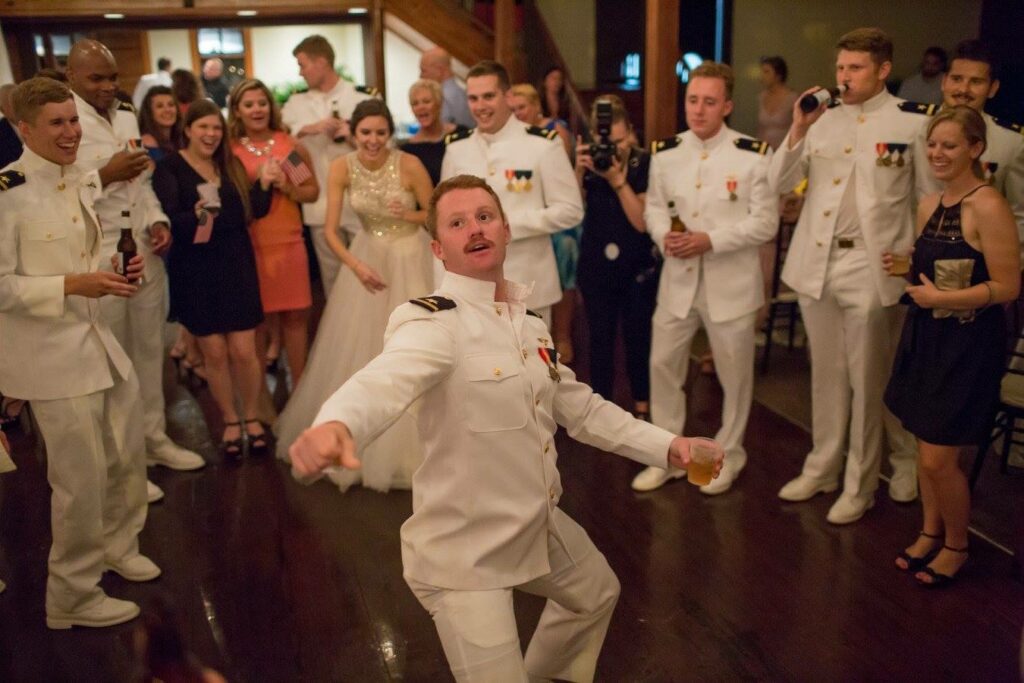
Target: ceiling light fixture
x=357 y=10
x=113 y=15
x=247 y=13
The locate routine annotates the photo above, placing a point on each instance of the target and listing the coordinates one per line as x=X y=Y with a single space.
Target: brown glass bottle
x=126 y=247
x=677 y=224
x=335 y=114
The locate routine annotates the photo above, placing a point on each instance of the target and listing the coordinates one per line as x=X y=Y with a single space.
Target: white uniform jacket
x=485 y=498
x=719 y=186
x=53 y=346
x=310 y=106
x=845 y=139
x=1002 y=162
x=529 y=170
x=101 y=140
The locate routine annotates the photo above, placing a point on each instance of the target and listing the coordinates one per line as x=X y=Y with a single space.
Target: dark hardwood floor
x=282 y=582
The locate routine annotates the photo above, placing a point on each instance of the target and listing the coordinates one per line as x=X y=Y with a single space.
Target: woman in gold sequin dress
x=388 y=263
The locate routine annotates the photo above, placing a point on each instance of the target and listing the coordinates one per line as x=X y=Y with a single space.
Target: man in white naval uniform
x=972 y=79
x=529 y=170
x=319 y=118
x=138 y=323
x=864 y=165
x=59 y=354
x=485 y=500
x=715 y=181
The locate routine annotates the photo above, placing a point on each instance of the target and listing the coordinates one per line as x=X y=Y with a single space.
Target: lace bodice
x=371 y=191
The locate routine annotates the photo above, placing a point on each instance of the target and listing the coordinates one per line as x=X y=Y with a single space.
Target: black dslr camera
x=603 y=151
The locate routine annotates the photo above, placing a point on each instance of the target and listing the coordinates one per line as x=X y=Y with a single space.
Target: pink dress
x=281 y=259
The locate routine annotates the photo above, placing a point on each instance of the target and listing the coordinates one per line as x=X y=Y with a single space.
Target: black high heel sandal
x=231 y=449
x=942 y=580
x=916 y=564
x=259 y=444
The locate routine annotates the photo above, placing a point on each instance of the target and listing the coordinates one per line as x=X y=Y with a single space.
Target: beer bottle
x=126 y=245
x=334 y=112
x=677 y=224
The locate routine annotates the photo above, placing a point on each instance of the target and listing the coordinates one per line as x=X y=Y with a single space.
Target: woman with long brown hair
x=215 y=291
x=282 y=262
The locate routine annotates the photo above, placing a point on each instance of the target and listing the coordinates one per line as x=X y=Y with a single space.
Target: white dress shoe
x=731 y=469
x=804 y=488
x=848 y=509
x=106 y=612
x=137 y=568
x=654 y=477
x=175 y=457
x=903 y=485
x=153 y=492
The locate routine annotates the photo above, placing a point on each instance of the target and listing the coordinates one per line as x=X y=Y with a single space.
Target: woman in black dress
x=215 y=293
x=428 y=144
x=945 y=379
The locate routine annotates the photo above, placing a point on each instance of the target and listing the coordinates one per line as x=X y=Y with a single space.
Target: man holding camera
x=530 y=172
x=709 y=208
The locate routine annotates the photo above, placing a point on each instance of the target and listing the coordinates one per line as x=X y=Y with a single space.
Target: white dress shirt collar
x=711 y=143
x=511 y=127
x=482 y=291
x=870 y=105
x=36 y=166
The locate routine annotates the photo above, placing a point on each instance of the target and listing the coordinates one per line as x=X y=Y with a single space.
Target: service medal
x=730 y=185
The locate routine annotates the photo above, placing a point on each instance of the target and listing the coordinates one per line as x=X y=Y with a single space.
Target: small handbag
x=952 y=274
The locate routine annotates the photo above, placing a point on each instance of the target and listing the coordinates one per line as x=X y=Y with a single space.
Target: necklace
x=253 y=149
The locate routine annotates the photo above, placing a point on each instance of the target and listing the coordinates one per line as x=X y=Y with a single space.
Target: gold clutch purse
x=952 y=274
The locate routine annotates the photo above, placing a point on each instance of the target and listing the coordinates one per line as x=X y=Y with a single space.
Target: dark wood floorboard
x=282 y=582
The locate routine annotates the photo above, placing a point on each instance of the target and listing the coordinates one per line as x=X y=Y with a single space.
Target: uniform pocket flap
x=493 y=367
x=44 y=231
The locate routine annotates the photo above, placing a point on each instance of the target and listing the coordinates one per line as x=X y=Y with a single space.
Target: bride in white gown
x=388 y=263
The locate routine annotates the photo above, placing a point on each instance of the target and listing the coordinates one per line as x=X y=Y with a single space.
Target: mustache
x=477 y=242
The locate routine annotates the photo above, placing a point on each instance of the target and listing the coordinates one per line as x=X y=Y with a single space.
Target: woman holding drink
x=215 y=292
x=945 y=379
x=282 y=262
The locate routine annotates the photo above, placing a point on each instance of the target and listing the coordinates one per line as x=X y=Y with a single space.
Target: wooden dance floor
x=281 y=582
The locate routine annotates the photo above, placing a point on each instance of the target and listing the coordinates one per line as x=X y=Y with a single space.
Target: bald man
x=10 y=143
x=436 y=64
x=108 y=126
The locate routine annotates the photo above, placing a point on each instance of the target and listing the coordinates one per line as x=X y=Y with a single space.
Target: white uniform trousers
x=732 y=343
x=902 y=444
x=849 y=332
x=478 y=628
x=138 y=325
x=97 y=471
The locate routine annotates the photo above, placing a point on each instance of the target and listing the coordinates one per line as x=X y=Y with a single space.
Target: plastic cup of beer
x=209 y=193
x=900 y=263
x=704 y=453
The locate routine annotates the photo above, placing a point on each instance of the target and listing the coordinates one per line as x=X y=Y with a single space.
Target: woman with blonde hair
x=945 y=379
x=428 y=144
x=254 y=124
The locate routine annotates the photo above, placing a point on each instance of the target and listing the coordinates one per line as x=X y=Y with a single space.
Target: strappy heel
x=941 y=580
x=916 y=564
x=259 y=444
x=231 y=449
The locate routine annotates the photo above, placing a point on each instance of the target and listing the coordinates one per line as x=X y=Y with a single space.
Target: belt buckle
x=844 y=243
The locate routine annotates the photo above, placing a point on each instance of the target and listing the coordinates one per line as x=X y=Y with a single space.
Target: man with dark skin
x=110 y=145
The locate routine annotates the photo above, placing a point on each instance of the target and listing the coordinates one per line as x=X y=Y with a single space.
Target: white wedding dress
x=351 y=331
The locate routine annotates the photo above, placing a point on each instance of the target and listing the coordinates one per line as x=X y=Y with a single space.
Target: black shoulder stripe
x=125 y=106
x=542 y=133
x=535 y=314
x=434 y=303
x=1015 y=127
x=752 y=145
x=458 y=134
x=368 y=90
x=662 y=145
x=919 y=107
x=9 y=179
